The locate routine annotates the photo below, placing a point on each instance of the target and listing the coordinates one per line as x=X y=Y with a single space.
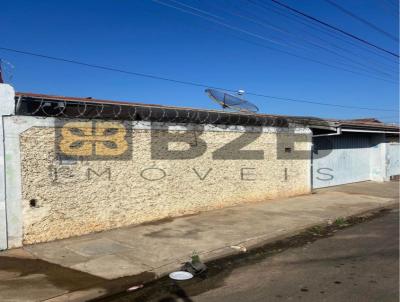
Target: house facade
x=74 y=166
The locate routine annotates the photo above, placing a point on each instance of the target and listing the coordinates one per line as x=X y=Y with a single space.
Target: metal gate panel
x=340 y=160
x=3 y=216
x=393 y=158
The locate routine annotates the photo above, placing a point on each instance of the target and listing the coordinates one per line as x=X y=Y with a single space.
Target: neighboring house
x=74 y=166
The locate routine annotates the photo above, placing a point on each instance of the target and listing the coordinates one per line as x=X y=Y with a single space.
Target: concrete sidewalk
x=152 y=250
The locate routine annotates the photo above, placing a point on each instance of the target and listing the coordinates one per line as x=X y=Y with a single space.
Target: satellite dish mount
x=232 y=102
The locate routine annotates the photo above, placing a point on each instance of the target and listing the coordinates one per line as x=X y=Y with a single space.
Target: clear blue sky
x=144 y=36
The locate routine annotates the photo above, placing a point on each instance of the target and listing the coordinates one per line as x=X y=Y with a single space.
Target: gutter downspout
x=18 y=105
x=369 y=131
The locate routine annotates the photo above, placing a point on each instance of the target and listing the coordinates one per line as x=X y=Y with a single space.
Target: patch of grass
x=316 y=230
x=340 y=222
x=195 y=257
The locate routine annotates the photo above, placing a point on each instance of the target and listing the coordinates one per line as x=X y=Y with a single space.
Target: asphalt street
x=358 y=263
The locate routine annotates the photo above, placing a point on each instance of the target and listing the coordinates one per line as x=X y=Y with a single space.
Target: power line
x=360 y=66
x=335 y=28
x=314 y=26
x=145 y=75
x=362 y=20
x=216 y=21
x=281 y=30
x=329 y=43
x=268 y=47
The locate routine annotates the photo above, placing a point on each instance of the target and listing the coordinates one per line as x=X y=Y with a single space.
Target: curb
x=113 y=287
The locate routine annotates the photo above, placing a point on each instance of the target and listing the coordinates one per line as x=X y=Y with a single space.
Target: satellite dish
x=232 y=102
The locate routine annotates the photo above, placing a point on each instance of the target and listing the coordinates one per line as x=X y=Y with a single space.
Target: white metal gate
x=393 y=159
x=340 y=159
x=3 y=216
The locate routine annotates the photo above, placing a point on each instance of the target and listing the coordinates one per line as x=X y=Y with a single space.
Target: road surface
x=359 y=263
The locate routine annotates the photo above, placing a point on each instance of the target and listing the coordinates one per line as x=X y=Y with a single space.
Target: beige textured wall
x=72 y=200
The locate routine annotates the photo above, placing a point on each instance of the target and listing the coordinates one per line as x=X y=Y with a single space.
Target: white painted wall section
x=7 y=105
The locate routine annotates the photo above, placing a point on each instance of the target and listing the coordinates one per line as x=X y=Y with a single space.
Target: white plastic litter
x=180 y=275
x=136 y=287
x=240 y=248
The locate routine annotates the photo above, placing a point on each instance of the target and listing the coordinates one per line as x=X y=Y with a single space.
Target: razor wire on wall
x=99 y=110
